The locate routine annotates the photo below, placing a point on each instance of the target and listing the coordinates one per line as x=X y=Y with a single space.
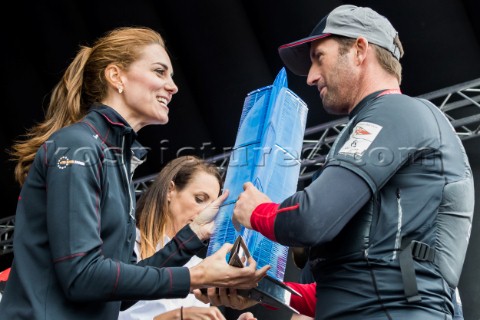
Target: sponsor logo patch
x=64 y=162
x=361 y=138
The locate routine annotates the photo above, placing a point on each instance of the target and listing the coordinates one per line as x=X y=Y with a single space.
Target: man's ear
x=113 y=76
x=361 y=47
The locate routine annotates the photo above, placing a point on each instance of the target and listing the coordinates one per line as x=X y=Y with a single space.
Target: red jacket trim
x=263 y=218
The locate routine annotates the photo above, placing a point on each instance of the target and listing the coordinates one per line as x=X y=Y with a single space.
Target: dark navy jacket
x=75 y=230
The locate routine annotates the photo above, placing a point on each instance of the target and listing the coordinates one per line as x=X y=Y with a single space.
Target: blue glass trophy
x=267 y=152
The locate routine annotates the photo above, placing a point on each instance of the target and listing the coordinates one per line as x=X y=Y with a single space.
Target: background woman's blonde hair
x=82 y=84
x=152 y=207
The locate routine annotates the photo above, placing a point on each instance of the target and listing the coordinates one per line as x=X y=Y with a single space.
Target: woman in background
x=183 y=188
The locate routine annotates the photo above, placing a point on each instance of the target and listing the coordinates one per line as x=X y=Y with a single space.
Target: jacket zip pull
x=398 y=236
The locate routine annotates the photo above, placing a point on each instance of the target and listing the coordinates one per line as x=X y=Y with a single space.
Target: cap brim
x=296 y=55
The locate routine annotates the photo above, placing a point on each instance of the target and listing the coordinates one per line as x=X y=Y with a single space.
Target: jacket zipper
x=130 y=202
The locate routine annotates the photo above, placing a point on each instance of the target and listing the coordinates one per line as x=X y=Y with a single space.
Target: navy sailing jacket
x=75 y=230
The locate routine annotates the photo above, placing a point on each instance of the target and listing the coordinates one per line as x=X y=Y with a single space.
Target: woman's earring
x=120 y=89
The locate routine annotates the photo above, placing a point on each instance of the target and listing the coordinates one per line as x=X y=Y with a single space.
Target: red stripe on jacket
x=263 y=218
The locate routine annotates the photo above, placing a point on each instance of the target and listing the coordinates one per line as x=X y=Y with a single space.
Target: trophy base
x=269 y=291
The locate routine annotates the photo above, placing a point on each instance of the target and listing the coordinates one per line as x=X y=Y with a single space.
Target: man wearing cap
x=389 y=215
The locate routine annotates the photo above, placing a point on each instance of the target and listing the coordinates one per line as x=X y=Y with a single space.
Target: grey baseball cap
x=346 y=20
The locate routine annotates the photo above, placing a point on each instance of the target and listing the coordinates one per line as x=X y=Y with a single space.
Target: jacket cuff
x=306 y=303
x=188 y=241
x=263 y=219
x=179 y=284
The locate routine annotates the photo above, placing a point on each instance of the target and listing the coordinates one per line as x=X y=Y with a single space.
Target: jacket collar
x=111 y=128
x=366 y=101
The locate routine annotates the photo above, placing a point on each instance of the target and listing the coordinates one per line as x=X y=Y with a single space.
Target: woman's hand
x=193 y=313
x=199 y=313
x=247 y=316
x=214 y=271
x=203 y=224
